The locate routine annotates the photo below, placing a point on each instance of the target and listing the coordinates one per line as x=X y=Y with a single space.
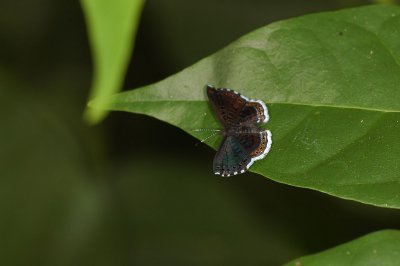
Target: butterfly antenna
x=207 y=130
x=215 y=131
x=203 y=140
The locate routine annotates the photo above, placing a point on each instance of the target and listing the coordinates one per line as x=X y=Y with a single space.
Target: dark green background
x=132 y=190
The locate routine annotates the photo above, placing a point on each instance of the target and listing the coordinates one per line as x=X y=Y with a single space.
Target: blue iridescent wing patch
x=243 y=141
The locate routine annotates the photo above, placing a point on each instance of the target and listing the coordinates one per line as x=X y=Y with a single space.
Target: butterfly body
x=243 y=141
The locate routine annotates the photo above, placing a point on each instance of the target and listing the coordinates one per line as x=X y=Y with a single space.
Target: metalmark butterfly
x=243 y=141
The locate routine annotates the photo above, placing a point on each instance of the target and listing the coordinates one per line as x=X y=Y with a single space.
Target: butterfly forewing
x=253 y=112
x=227 y=105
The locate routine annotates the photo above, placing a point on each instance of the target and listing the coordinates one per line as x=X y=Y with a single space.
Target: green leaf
x=331 y=83
x=379 y=248
x=111 y=28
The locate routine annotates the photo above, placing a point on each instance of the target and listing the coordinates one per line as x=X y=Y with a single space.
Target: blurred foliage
x=112 y=28
x=133 y=191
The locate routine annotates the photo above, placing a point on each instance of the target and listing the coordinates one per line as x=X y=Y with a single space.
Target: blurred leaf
x=53 y=208
x=379 y=248
x=111 y=28
x=331 y=83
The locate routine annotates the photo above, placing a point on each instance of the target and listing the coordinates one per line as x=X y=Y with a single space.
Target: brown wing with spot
x=227 y=105
x=255 y=142
x=252 y=112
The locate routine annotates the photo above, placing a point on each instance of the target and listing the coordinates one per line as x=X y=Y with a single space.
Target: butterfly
x=243 y=141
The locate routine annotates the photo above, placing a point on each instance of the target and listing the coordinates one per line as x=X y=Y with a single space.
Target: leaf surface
x=331 y=83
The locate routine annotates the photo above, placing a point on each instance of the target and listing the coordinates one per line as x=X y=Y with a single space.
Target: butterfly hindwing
x=252 y=140
x=231 y=158
x=256 y=144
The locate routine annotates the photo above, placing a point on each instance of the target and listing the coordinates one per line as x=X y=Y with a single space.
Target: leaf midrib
x=281 y=103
